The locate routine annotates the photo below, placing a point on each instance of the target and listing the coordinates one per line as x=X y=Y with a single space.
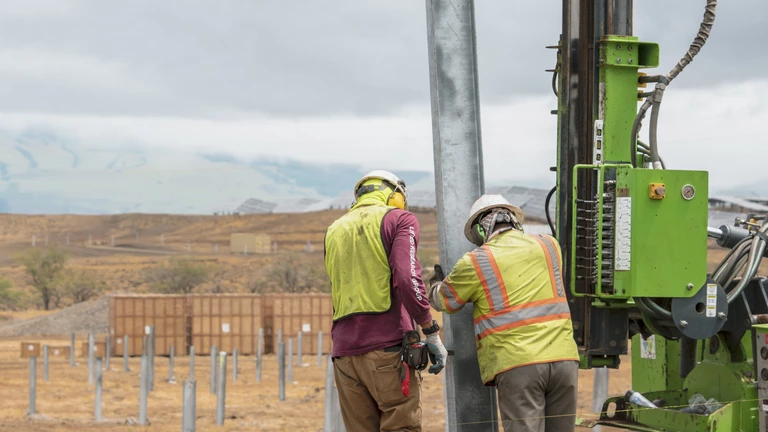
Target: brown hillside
x=160 y=237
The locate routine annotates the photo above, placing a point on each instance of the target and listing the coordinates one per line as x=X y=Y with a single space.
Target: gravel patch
x=82 y=318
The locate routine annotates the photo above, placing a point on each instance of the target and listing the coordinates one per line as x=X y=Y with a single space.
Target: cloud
x=347 y=58
x=37 y=8
x=718 y=129
x=71 y=70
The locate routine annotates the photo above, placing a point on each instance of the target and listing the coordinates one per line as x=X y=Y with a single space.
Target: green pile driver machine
x=634 y=235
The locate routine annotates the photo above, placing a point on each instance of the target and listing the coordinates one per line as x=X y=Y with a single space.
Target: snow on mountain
x=41 y=172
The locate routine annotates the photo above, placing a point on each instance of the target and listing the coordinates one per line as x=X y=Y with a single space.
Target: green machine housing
x=644 y=228
x=637 y=250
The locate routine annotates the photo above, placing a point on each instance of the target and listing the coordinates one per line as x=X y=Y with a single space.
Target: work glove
x=438 y=355
x=437 y=276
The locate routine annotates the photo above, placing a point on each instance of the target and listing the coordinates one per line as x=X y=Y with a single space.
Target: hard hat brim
x=517 y=211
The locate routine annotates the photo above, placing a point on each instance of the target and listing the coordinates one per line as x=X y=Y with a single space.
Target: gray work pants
x=539 y=397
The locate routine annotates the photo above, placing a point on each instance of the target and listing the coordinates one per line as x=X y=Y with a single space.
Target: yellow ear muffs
x=396 y=199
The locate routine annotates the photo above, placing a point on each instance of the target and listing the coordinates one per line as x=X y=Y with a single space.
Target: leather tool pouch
x=415 y=352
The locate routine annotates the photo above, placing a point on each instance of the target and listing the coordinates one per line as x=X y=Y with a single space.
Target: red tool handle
x=406 y=382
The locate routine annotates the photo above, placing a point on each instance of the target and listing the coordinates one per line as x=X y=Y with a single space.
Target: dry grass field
x=66 y=402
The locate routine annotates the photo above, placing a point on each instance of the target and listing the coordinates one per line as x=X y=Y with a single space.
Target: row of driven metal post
x=218 y=374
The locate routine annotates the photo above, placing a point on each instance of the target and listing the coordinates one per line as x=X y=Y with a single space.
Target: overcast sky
x=321 y=80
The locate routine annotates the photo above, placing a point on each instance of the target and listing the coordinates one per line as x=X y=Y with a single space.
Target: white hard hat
x=485 y=203
x=382 y=175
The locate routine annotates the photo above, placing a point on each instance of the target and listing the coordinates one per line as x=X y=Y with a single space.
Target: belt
x=394 y=348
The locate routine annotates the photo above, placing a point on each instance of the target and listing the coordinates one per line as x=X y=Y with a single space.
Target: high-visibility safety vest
x=357 y=263
x=520 y=308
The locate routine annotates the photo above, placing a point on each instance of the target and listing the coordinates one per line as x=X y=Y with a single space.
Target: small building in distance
x=242 y=243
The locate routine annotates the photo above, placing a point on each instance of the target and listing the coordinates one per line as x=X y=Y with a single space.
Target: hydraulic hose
x=658 y=93
x=721 y=268
x=653 y=129
x=651 y=308
x=636 y=129
x=546 y=211
x=755 y=256
x=744 y=260
x=644 y=149
x=554 y=83
x=701 y=38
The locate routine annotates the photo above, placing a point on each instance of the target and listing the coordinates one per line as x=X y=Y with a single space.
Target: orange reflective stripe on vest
x=521 y=313
x=530 y=313
x=553 y=261
x=490 y=278
x=452 y=301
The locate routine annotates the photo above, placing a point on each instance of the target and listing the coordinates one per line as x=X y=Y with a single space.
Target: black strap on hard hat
x=362 y=190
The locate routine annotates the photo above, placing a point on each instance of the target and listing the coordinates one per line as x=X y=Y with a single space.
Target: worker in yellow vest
x=523 y=328
x=378 y=299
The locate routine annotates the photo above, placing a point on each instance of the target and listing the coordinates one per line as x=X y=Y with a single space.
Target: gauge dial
x=688 y=192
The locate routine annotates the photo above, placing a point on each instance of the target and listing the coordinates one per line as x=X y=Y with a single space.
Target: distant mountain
x=42 y=172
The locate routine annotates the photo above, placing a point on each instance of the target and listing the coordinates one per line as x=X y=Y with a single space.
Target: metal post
x=90 y=358
x=290 y=360
x=32 y=385
x=320 y=348
x=599 y=392
x=281 y=370
x=189 y=406
x=214 y=349
x=221 y=388
x=329 y=384
x=457 y=146
x=108 y=354
x=97 y=410
x=72 y=349
x=298 y=349
x=45 y=363
x=125 y=354
x=144 y=347
x=259 y=351
x=279 y=335
x=143 y=389
x=338 y=421
x=192 y=363
x=151 y=358
x=171 y=378
x=234 y=366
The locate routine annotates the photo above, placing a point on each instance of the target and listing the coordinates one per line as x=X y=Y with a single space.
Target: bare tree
x=180 y=276
x=8 y=297
x=220 y=276
x=296 y=273
x=43 y=268
x=81 y=286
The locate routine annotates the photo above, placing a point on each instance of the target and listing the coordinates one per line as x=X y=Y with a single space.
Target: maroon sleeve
x=400 y=235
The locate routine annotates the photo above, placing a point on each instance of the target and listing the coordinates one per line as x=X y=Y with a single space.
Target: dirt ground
x=66 y=402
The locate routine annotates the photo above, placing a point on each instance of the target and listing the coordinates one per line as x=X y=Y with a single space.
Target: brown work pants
x=370 y=394
x=539 y=397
